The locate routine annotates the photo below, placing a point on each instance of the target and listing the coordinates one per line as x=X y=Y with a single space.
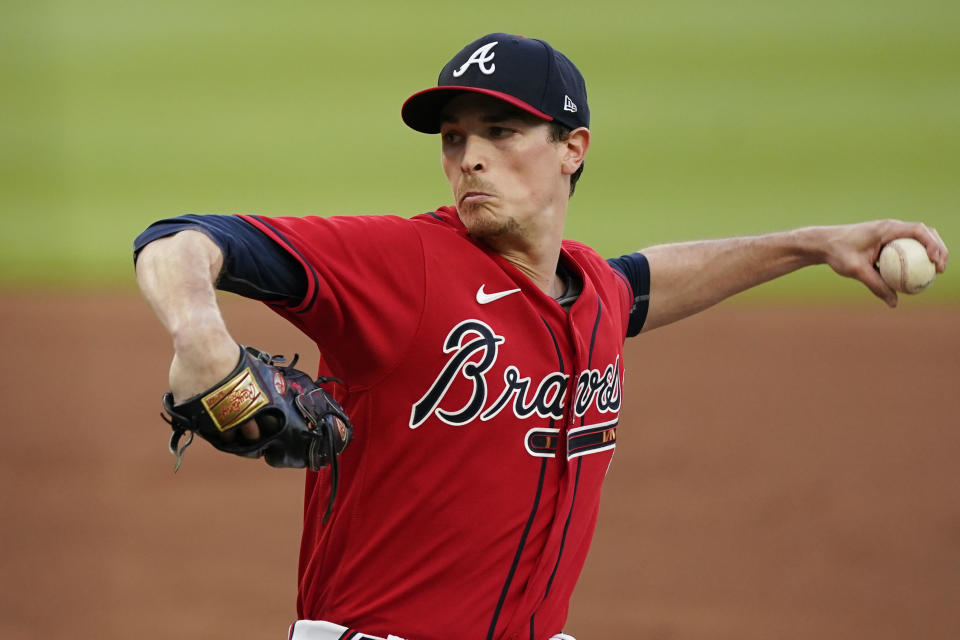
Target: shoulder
x=304 y=225
x=442 y=218
x=587 y=257
x=609 y=280
x=574 y=247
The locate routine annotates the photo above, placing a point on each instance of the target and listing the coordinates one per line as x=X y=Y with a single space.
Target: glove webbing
x=319 y=449
x=328 y=451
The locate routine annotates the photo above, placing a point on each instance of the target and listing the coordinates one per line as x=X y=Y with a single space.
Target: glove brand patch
x=236 y=401
x=279 y=383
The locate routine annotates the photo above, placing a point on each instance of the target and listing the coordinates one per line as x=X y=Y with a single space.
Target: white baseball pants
x=322 y=630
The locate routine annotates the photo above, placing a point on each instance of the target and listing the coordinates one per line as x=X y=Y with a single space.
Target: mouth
x=473 y=197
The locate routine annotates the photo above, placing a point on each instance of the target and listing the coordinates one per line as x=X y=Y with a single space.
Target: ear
x=575 y=149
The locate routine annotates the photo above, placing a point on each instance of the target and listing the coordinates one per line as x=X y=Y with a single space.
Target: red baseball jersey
x=485 y=421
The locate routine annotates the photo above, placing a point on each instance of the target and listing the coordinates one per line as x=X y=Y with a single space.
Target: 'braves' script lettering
x=464 y=340
x=474 y=347
x=547 y=400
x=604 y=389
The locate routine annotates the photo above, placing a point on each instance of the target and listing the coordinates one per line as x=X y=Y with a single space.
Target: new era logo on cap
x=525 y=72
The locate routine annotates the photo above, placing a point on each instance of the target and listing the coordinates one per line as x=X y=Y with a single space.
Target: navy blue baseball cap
x=525 y=72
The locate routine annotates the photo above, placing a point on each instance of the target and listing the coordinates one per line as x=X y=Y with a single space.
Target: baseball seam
x=903 y=267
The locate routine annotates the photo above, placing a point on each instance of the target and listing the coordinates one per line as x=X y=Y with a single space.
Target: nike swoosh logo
x=484 y=297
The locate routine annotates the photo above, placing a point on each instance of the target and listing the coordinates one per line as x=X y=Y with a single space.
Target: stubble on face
x=482 y=224
x=482 y=219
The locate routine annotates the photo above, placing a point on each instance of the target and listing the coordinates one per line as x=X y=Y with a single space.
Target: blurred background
x=787 y=463
x=709 y=118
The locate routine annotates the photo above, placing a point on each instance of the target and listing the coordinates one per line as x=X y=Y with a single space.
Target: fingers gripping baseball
x=853 y=250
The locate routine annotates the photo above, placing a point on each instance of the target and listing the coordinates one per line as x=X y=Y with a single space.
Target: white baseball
x=905 y=266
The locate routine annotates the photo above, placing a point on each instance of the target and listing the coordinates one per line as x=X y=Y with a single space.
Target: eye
x=500 y=132
x=451 y=137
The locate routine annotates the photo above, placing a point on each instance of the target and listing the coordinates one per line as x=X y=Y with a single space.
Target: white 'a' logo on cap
x=480 y=57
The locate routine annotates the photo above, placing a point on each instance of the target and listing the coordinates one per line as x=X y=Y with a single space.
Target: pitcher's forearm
x=176 y=276
x=686 y=278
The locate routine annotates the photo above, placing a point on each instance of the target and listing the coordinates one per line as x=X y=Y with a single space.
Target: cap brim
x=421 y=111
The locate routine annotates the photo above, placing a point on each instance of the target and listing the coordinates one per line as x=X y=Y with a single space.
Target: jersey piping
x=533 y=513
x=520 y=548
x=310 y=297
x=573 y=500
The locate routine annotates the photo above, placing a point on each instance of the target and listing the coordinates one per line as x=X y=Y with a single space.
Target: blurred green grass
x=709 y=119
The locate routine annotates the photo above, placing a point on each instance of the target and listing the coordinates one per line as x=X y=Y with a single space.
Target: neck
x=542 y=270
x=536 y=259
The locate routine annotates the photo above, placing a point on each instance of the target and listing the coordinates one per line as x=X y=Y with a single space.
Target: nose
x=474 y=155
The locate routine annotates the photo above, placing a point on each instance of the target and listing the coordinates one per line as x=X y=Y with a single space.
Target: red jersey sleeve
x=365 y=288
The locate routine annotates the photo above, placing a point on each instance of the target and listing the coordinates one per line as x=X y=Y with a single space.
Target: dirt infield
x=788 y=474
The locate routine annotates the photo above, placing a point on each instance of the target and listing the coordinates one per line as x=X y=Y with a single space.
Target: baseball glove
x=301 y=425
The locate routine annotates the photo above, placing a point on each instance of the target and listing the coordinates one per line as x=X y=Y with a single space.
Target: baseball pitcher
x=465 y=413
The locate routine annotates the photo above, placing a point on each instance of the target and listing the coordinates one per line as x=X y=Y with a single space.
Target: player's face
x=506 y=174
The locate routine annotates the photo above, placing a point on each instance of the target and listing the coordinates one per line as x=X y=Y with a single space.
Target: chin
x=481 y=223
